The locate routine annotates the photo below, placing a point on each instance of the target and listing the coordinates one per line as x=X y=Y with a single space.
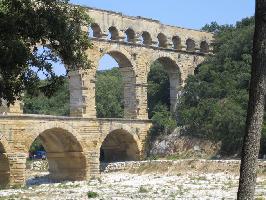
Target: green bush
x=92 y=195
x=214 y=101
x=109 y=94
x=163 y=120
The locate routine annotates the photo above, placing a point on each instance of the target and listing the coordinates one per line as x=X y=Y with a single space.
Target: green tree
x=256 y=105
x=164 y=121
x=109 y=94
x=36 y=146
x=214 y=102
x=158 y=88
x=58 y=104
x=109 y=97
x=26 y=25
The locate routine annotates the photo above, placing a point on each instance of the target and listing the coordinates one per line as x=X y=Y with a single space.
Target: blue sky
x=184 y=13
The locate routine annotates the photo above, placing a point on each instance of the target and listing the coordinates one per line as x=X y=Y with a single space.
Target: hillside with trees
x=214 y=101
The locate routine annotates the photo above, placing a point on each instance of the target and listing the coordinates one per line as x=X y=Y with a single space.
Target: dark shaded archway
x=190 y=45
x=172 y=83
x=158 y=90
x=114 y=35
x=96 y=30
x=119 y=145
x=130 y=33
x=4 y=168
x=204 y=47
x=162 y=40
x=146 y=38
x=65 y=155
x=176 y=42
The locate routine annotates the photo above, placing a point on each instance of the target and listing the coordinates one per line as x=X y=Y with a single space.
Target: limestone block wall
x=137 y=29
x=72 y=144
x=16 y=108
x=134 y=64
x=135 y=43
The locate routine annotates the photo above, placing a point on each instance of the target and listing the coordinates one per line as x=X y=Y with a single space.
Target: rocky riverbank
x=143 y=181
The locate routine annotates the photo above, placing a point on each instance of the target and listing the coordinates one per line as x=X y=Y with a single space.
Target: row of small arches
x=146 y=39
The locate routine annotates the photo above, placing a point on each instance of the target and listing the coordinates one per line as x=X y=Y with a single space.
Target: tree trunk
x=251 y=145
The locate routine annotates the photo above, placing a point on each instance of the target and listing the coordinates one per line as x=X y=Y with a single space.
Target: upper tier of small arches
x=144 y=38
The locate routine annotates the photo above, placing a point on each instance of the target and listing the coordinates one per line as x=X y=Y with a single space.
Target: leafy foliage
x=158 y=88
x=163 y=120
x=36 y=146
x=58 y=104
x=92 y=195
x=26 y=25
x=109 y=94
x=215 y=100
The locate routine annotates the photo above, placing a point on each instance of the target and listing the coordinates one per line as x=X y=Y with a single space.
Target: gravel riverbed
x=124 y=185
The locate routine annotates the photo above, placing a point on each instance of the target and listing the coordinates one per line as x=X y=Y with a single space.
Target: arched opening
x=119 y=145
x=64 y=153
x=204 y=47
x=158 y=88
x=130 y=35
x=4 y=168
x=146 y=38
x=95 y=30
x=162 y=39
x=109 y=89
x=115 y=88
x=190 y=45
x=164 y=85
x=113 y=33
x=176 y=42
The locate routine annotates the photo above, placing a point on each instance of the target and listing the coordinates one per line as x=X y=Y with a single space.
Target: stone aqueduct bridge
x=78 y=143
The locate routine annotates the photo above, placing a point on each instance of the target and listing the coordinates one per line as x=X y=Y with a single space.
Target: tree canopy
x=214 y=101
x=158 y=88
x=26 y=25
x=109 y=94
x=57 y=105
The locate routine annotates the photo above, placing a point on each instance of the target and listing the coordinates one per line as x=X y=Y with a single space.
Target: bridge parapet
x=147 y=32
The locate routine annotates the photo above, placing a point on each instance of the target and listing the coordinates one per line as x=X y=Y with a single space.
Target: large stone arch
x=175 y=76
x=32 y=133
x=126 y=67
x=65 y=153
x=4 y=165
x=119 y=145
x=120 y=54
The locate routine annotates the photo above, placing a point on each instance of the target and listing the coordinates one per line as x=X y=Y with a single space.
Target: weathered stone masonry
x=76 y=144
x=73 y=144
x=135 y=43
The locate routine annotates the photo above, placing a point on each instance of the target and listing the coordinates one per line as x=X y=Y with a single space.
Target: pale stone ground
x=141 y=186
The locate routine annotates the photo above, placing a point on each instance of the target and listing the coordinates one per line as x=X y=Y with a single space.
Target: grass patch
x=11 y=197
x=229 y=184
x=65 y=186
x=92 y=194
x=260 y=198
x=199 y=178
x=142 y=189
